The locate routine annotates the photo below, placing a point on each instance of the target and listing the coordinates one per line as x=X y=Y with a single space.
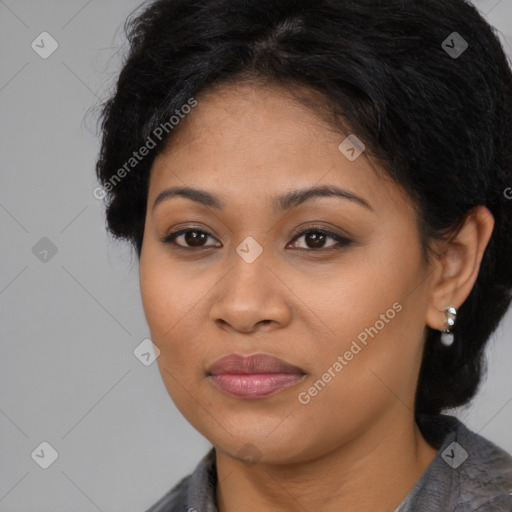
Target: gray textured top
x=468 y=474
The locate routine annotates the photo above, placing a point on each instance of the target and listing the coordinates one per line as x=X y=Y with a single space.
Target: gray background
x=70 y=324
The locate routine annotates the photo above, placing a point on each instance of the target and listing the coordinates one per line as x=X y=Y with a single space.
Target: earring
x=447 y=336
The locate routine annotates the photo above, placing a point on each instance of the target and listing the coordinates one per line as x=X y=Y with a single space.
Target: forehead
x=245 y=140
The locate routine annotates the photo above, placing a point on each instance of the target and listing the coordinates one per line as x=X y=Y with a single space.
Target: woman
x=317 y=194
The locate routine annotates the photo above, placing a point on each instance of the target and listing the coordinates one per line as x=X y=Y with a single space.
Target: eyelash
x=342 y=241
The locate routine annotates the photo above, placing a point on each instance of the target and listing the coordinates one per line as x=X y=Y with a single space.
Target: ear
x=456 y=267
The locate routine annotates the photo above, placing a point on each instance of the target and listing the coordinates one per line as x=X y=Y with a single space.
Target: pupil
x=192 y=237
x=315 y=239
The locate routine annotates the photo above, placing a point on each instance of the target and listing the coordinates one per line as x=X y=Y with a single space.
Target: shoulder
x=468 y=474
x=193 y=492
x=174 y=500
x=485 y=474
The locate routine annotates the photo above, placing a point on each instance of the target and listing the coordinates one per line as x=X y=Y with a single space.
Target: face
x=334 y=285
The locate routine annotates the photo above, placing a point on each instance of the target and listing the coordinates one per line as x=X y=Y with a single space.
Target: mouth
x=255 y=376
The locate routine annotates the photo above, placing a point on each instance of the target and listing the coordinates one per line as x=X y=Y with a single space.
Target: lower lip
x=255 y=385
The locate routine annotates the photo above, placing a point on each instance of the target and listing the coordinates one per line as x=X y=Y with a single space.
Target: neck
x=374 y=471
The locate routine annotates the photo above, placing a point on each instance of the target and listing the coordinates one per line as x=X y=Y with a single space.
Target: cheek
x=168 y=296
x=372 y=314
x=166 y=301
x=356 y=381
x=346 y=299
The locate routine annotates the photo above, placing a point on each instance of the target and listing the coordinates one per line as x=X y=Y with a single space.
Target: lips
x=236 y=364
x=252 y=377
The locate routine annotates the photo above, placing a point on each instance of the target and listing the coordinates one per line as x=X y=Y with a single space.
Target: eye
x=192 y=237
x=315 y=238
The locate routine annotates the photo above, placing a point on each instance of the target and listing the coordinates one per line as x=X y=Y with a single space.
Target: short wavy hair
x=440 y=123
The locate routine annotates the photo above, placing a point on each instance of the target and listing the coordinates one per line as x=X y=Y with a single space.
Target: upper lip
x=257 y=363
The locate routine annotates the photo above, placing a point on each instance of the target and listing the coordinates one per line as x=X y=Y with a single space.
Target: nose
x=251 y=296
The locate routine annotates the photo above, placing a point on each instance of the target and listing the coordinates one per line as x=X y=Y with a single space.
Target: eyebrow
x=285 y=202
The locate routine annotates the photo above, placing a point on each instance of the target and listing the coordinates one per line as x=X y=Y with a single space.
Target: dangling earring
x=447 y=336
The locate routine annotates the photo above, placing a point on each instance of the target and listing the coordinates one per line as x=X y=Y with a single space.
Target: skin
x=355 y=445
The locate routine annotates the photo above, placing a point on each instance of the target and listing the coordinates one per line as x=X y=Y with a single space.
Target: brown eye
x=191 y=238
x=195 y=238
x=316 y=239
